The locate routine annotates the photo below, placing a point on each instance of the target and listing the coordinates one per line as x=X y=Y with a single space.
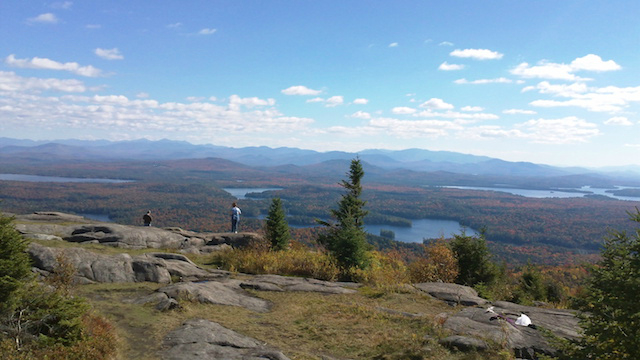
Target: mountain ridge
x=262 y=156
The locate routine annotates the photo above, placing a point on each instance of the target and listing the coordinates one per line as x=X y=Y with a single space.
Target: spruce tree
x=611 y=321
x=346 y=240
x=15 y=264
x=277 y=229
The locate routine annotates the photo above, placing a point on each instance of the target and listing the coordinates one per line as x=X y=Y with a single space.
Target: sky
x=549 y=82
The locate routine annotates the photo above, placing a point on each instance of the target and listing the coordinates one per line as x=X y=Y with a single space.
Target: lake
x=421 y=229
x=580 y=192
x=38 y=178
x=240 y=193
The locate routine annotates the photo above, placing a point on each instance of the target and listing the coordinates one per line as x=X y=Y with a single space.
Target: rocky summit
x=474 y=323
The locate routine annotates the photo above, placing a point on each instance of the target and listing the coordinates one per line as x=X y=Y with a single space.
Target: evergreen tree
x=611 y=321
x=346 y=239
x=474 y=260
x=277 y=229
x=15 y=264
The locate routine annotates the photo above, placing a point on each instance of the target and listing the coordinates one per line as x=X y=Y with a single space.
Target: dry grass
x=302 y=325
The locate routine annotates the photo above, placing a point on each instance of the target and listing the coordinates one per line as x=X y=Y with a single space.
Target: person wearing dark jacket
x=147 y=218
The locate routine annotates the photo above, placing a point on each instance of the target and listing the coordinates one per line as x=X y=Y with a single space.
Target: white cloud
x=548 y=70
x=174 y=25
x=43 y=63
x=606 y=99
x=330 y=102
x=414 y=128
x=436 y=104
x=109 y=54
x=235 y=102
x=472 y=108
x=593 y=62
x=466 y=117
x=361 y=115
x=446 y=43
x=619 y=120
x=519 y=111
x=142 y=95
x=566 y=130
x=300 y=90
x=207 y=31
x=9 y=81
x=403 y=110
x=361 y=101
x=334 y=101
x=450 y=67
x=477 y=54
x=47 y=18
x=500 y=80
x=393 y=44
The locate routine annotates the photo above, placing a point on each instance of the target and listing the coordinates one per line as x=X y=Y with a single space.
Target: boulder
x=216 y=292
x=452 y=294
x=498 y=324
x=203 y=339
x=94 y=267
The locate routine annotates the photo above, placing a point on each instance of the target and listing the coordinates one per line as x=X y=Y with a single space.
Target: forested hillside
x=189 y=194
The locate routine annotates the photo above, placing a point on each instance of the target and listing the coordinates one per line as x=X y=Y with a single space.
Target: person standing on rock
x=147 y=218
x=235 y=217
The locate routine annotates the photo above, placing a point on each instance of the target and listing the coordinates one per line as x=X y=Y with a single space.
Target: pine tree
x=474 y=260
x=277 y=229
x=346 y=239
x=15 y=264
x=611 y=321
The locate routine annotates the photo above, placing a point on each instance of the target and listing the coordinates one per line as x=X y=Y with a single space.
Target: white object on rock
x=523 y=320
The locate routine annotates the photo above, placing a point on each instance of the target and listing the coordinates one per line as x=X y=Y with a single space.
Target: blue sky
x=551 y=82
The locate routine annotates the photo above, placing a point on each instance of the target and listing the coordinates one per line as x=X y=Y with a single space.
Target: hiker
x=147 y=218
x=235 y=217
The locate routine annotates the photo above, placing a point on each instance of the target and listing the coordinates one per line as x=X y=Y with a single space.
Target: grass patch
x=302 y=325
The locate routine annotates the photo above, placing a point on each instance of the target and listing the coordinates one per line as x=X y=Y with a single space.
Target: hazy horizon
x=555 y=83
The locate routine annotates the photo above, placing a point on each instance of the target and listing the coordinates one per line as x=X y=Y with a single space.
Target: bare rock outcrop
x=203 y=339
x=94 y=267
x=77 y=229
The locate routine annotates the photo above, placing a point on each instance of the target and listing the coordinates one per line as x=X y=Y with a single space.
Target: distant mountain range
x=414 y=160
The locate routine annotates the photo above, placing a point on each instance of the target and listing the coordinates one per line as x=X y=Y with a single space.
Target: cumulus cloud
x=606 y=99
x=361 y=115
x=235 y=102
x=43 y=63
x=300 y=90
x=47 y=18
x=619 y=120
x=436 y=104
x=109 y=54
x=334 y=101
x=206 y=31
x=477 y=54
x=566 y=130
x=594 y=62
x=549 y=70
x=403 y=110
x=472 y=108
x=9 y=81
x=445 y=66
x=361 y=101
